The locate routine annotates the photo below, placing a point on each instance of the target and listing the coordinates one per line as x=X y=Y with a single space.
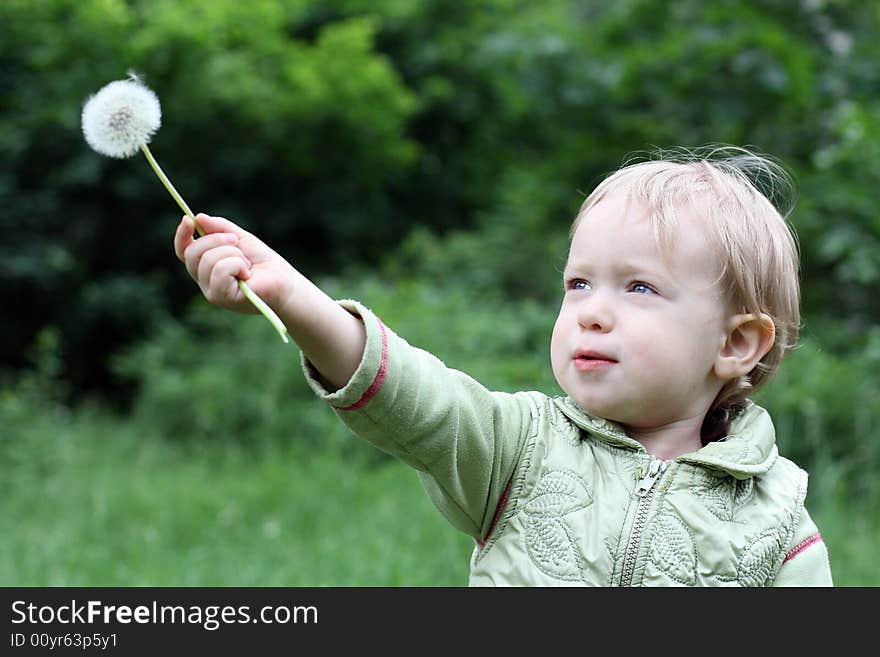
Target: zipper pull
x=655 y=469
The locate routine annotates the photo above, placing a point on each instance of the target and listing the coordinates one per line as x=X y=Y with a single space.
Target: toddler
x=680 y=299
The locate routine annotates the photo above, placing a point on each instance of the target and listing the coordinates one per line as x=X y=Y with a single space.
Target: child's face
x=658 y=322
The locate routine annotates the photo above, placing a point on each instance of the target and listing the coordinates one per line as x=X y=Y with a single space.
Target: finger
x=223 y=284
x=211 y=225
x=197 y=249
x=209 y=261
x=183 y=236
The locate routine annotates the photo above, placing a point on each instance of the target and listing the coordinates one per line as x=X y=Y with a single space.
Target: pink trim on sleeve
x=501 y=504
x=380 y=375
x=803 y=545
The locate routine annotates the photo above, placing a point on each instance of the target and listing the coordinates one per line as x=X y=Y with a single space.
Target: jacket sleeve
x=464 y=440
x=806 y=560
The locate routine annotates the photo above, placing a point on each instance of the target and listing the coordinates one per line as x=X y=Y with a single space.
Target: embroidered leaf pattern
x=757 y=561
x=550 y=543
x=553 y=550
x=743 y=491
x=724 y=495
x=559 y=493
x=672 y=550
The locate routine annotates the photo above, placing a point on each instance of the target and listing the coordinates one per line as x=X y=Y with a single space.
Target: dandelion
x=120 y=117
x=120 y=120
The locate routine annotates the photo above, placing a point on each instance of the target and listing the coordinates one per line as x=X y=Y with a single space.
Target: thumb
x=206 y=224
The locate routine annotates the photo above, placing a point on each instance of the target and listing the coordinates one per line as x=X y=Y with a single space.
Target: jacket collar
x=748 y=450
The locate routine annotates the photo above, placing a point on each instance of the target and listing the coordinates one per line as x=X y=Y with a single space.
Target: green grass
x=90 y=500
x=107 y=506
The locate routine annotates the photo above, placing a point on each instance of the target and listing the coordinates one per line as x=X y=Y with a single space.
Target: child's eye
x=641 y=288
x=577 y=284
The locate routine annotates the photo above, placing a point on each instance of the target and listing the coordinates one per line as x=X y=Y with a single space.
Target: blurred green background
x=426 y=158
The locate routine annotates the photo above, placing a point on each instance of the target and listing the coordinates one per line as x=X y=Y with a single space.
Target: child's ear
x=748 y=338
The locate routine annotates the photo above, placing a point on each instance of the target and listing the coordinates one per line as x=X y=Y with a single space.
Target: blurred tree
x=301 y=140
x=332 y=128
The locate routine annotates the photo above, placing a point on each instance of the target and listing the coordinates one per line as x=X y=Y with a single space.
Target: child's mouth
x=588 y=363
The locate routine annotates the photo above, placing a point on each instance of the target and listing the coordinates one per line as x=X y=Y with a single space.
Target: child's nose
x=595 y=313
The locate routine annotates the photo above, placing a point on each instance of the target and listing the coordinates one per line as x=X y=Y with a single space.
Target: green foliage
x=839 y=219
x=333 y=128
x=424 y=157
x=300 y=137
x=826 y=409
x=90 y=500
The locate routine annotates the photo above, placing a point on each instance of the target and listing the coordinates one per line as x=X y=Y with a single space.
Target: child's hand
x=330 y=337
x=226 y=253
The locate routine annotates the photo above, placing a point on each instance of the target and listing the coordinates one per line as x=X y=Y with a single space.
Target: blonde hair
x=745 y=200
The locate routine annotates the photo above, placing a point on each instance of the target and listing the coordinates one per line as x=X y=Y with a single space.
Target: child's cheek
x=652 y=356
x=562 y=329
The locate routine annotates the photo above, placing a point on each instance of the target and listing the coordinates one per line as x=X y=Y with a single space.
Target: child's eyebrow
x=624 y=268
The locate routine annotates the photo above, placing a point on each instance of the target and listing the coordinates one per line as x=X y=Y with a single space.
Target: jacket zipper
x=645 y=493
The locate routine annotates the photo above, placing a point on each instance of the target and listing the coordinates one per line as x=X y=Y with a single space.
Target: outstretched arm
x=330 y=337
x=465 y=440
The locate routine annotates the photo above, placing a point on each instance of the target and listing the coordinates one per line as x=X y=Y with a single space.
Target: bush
x=826 y=409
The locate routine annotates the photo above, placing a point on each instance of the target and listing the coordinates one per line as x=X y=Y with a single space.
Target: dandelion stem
x=174 y=193
x=260 y=305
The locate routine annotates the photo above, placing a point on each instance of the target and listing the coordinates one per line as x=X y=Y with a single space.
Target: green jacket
x=554 y=496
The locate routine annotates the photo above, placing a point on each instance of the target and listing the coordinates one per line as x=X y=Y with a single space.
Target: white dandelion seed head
x=119 y=118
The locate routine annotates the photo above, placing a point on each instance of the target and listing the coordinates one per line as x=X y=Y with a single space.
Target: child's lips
x=592 y=360
x=590 y=364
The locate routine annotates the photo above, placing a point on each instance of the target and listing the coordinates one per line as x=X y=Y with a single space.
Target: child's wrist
x=288 y=301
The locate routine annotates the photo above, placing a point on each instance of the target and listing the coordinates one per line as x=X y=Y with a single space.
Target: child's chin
x=593 y=406
x=607 y=409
